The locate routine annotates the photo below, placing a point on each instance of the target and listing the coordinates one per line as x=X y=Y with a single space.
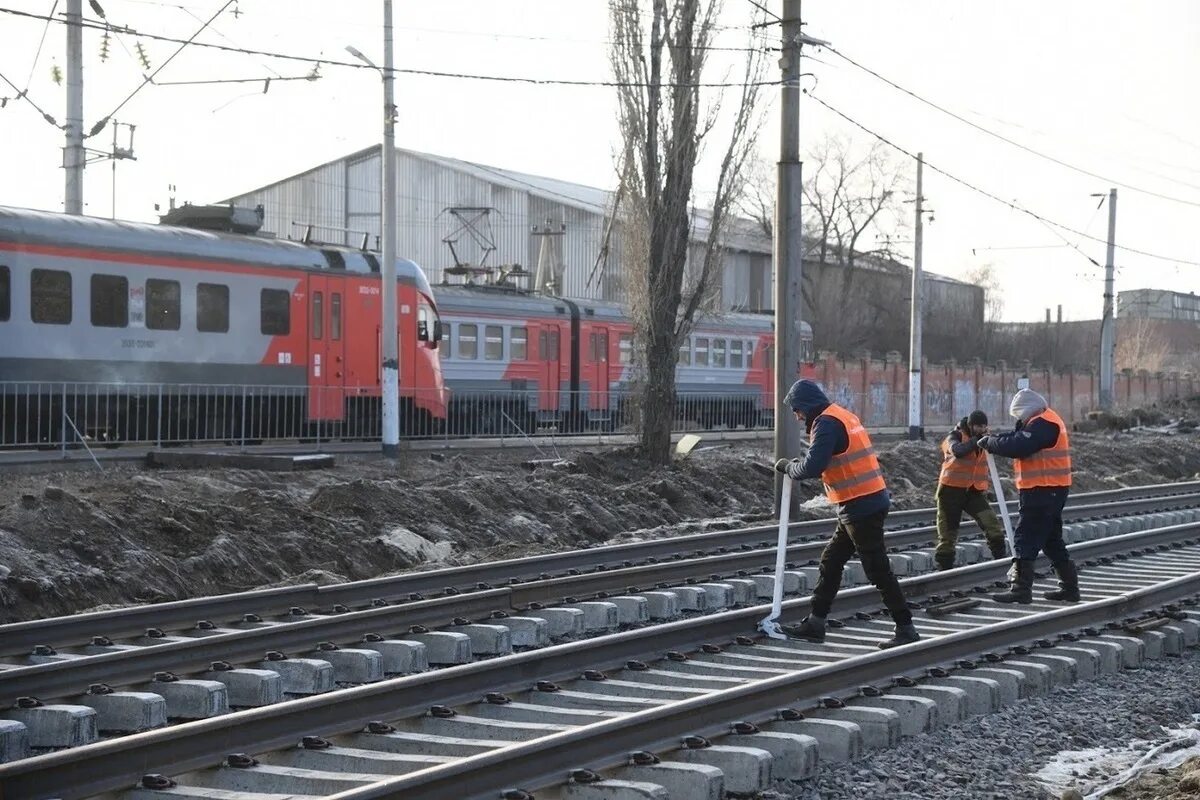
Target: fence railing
x=65 y=415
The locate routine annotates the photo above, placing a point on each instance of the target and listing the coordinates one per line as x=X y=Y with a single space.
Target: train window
x=519 y=344
x=110 y=301
x=685 y=353
x=317 y=320
x=50 y=296
x=493 y=343
x=701 y=352
x=275 y=312
x=602 y=346
x=468 y=341
x=749 y=354
x=5 y=294
x=335 y=316
x=212 y=308
x=444 y=343
x=625 y=349
x=718 y=352
x=735 y=353
x=422 y=323
x=162 y=305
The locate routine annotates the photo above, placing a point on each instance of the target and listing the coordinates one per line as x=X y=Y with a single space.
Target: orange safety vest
x=1048 y=467
x=964 y=473
x=856 y=472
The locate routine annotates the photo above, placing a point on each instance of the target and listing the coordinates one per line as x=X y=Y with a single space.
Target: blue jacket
x=829 y=438
x=1024 y=441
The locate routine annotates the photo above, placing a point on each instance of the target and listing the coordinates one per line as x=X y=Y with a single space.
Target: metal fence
x=68 y=415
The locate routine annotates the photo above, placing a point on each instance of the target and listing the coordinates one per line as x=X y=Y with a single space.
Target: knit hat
x=1025 y=404
x=977 y=418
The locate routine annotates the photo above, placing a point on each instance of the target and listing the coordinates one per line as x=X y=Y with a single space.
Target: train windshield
x=429 y=324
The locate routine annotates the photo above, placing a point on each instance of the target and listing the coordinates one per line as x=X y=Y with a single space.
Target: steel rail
x=21 y=637
x=116 y=764
x=128 y=667
x=607 y=744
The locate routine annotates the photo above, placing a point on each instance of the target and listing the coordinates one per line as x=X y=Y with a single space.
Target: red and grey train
x=201 y=328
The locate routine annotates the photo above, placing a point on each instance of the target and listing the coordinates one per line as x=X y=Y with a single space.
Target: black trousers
x=1040 y=526
x=863 y=536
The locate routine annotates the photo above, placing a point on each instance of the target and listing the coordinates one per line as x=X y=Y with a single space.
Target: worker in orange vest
x=1041 y=450
x=841 y=455
x=961 y=488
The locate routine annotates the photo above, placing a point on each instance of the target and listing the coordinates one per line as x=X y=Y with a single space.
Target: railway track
x=289 y=650
x=77 y=684
x=746 y=706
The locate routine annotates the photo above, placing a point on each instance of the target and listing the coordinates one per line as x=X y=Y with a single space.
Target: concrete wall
x=877 y=389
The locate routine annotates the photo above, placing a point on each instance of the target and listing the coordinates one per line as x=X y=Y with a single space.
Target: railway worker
x=840 y=453
x=1041 y=450
x=961 y=488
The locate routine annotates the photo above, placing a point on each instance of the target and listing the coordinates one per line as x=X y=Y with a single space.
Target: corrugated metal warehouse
x=444 y=201
x=452 y=211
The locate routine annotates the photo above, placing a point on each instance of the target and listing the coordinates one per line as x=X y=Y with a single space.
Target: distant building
x=454 y=213
x=1158 y=304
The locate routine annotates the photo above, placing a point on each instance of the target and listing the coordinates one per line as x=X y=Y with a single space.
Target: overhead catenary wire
x=1012 y=204
x=430 y=73
x=22 y=95
x=41 y=42
x=1001 y=137
x=150 y=78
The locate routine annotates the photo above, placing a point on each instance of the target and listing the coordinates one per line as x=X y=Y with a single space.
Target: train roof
x=28 y=226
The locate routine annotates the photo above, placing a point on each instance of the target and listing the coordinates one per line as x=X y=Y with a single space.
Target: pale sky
x=1110 y=87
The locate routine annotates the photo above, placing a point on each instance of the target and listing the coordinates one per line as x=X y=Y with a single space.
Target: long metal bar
x=607 y=744
x=21 y=637
x=118 y=763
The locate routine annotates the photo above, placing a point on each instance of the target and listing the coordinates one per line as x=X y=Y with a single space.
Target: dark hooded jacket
x=829 y=438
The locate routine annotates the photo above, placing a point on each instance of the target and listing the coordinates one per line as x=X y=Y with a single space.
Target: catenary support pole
x=1108 y=331
x=73 y=154
x=788 y=241
x=391 y=361
x=915 y=405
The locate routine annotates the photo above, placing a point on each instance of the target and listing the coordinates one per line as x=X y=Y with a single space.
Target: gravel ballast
x=995 y=757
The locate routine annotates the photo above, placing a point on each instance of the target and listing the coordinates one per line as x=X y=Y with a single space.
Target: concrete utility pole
x=73 y=154
x=916 y=407
x=391 y=357
x=1108 y=343
x=789 y=247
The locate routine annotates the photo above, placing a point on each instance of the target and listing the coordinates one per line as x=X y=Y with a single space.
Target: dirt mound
x=77 y=540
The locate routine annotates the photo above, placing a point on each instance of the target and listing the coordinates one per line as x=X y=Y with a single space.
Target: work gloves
x=782 y=464
x=985 y=443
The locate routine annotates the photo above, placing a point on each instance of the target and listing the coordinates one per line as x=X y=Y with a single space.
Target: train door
x=326 y=348
x=768 y=355
x=549 y=368
x=597 y=369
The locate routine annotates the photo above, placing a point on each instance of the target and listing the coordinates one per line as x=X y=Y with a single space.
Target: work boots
x=944 y=562
x=1021 y=588
x=809 y=629
x=998 y=549
x=905 y=634
x=1068 y=582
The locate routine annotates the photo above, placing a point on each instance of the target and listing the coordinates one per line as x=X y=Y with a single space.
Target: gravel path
x=993 y=757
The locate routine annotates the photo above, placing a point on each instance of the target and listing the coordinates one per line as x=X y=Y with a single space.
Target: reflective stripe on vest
x=1051 y=466
x=856 y=472
x=965 y=473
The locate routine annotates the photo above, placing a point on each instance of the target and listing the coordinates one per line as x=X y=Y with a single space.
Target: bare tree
x=1141 y=345
x=659 y=69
